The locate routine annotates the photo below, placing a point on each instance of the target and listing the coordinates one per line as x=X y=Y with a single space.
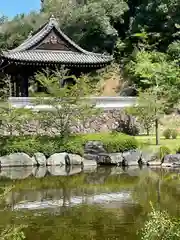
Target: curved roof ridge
x=29 y=42
x=42 y=32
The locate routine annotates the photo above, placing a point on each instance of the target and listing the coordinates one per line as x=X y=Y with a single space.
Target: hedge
x=75 y=144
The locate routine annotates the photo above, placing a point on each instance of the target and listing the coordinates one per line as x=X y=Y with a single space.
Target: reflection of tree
x=66 y=197
x=156 y=187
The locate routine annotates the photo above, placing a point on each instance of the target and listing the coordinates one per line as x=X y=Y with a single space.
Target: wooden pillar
x=17 y=87
x=24 y=86
x=13 y=86
x=10 y=87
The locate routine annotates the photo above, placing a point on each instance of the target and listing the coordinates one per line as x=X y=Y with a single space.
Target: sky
x=11 y=8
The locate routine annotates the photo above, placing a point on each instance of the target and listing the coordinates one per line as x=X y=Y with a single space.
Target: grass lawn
x=150 y=142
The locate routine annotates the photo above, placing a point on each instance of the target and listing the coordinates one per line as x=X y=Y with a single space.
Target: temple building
x=50 y=48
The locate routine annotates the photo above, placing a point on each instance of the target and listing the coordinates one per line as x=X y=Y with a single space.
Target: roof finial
x=53 y=20
x=52 y=16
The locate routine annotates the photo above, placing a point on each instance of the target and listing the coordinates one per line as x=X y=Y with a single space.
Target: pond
x=103 y=203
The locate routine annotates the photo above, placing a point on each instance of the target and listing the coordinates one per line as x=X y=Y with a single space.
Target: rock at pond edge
x=16 y=160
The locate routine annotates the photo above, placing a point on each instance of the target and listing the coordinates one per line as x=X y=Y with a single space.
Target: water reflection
x=110 y=203
x=40 y=172
x=25 y=172
x=109 y=200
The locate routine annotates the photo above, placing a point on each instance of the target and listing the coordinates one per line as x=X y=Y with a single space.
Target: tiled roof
x=44 y=31
x=57 y=56
x=27 y=51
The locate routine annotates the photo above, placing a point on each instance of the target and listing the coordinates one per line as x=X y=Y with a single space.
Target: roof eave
x=19 y=61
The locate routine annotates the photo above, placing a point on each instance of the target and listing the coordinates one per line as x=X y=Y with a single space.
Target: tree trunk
x=147 y=131
x=157 y=131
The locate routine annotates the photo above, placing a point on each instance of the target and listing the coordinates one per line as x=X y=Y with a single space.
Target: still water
x=103 y=203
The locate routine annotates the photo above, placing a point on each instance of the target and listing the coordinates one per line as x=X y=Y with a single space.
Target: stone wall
x=105 y=122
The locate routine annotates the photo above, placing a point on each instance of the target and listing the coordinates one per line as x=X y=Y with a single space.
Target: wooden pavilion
x=48 y=47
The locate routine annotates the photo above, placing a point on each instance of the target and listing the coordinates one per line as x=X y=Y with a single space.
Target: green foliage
x=178 y=150
x=96 y=24
x=74 y=144
x=167 y=133
x=174 y=50
x=163 y=151
x=159 y=18
x=12 y=119
x=13 y=233
x=70 y=105
x=154 y=69
x=14 y=31
x=10 y=232
x=160 y=226
x=97 y=19
x=174 y=133
x=114 y=142
x=92 y=25
x=148 y=108
x=127 y=125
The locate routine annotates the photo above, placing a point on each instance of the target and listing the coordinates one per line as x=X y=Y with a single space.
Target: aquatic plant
x=160 y=226
x=10 y=232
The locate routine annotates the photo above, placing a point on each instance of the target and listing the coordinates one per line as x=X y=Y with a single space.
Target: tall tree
x=148 y=109
x=159 y=18
x=149 y=69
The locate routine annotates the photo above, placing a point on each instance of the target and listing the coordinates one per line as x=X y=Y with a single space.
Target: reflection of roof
x=28 y=52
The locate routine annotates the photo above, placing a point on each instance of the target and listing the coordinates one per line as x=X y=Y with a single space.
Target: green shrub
x=74 y=144
x=167 y=133
x=163 y=151
x=113 y=142
x=178 y=149
x=160 y=226
x=174 y=133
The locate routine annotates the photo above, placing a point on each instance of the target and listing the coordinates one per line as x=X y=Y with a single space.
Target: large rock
x=34 y=162
x=16 y=160
x=148 y=157
x=154 y=163
x=60 y=159
x=131 y=158
x=40 y=159
x=171 y=160
x=94 y=147
x=105 y=158
x=75 y=159
x=116 y=158
x=89 y=156
x=57 y=159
